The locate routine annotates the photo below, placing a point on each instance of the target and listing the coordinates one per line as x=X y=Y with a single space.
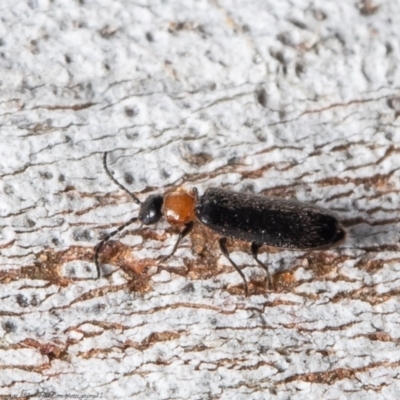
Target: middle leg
x=185 y=231
x=222 y=245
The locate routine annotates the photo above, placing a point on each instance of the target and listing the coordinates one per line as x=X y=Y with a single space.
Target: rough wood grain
x=295 y=99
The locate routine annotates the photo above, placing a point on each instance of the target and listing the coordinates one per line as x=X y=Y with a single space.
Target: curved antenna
x=135 y=199
x=100 y=245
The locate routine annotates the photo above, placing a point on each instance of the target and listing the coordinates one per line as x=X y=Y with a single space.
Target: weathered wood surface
x=291 y=99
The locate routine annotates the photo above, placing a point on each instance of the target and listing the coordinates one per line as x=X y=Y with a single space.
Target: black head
x=150 y=210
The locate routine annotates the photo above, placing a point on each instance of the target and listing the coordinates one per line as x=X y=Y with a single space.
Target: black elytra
x=259 y=220
x=286 y=224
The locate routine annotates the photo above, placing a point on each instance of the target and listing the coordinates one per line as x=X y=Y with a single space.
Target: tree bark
x=291 y=99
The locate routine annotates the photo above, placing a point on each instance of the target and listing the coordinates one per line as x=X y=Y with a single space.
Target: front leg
x=185 y=231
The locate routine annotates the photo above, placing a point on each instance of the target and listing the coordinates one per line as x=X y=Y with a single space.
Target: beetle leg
x=222 y=245
x=106 y=239
x=185 y=231
x=254 y=252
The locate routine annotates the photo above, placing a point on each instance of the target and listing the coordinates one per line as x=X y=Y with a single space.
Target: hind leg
x=254 y=252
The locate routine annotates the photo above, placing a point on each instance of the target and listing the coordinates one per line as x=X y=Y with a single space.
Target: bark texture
x=293 y=99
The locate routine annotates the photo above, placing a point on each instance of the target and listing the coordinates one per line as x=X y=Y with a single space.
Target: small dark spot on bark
x=389 y=48
x=368 y=8
x=246 y=28
x=22 y=300
x=8 y=189
x=31 y=223
x=394 y=103
x=340 y=38
x=284 y=38
x=34 y=301
x=82 y=235
x=128 y=178
x=132 y=136
x=202 y=30
x=34 y=47
x=46 y=175
x=233 y=161
x=107 y=67
x=97 y=308
x=298 y=23
x=165 y=174
x=176 y=26
x=279 y=56
x=262 y=97
x=9 y=326
x=319 y=15
x=200 y=159
x=260 y=135
x=61 y=178
x=299 y=69
x=55 y=241
x=67 y=59
x=2 y=42
x=189 y=288
x=248 y=188
x=108 y=31
x=131 y=112
x=149 y=37
x=69 y=188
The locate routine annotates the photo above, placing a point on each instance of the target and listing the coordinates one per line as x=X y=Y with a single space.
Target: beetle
x=259 y=220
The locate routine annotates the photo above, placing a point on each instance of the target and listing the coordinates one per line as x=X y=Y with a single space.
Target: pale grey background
x=298 y=99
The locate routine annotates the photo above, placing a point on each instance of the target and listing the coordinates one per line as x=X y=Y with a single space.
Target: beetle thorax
x=178 y=206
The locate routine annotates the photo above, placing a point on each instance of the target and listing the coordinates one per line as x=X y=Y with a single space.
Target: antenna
x=135 y=199
x=100 y=245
